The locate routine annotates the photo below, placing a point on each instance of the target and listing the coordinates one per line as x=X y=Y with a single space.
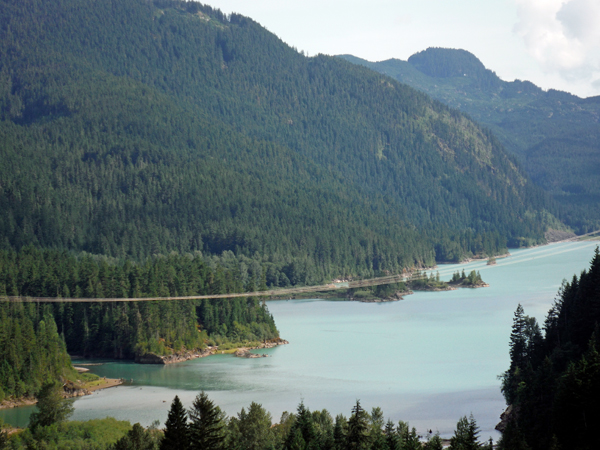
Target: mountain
x=555 y=134
x=132 y=127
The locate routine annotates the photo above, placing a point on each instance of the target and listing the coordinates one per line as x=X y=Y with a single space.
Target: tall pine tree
x=177 y=432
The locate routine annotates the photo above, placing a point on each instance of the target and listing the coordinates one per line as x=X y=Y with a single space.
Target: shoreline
x=244 y=352
x=69 y=391
x=151 y=358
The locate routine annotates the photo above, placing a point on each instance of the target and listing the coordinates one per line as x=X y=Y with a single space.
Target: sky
x=553 y=43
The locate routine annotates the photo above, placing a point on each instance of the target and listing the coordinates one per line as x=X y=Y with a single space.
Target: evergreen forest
x=132 y=128
x=128 y=330
x=31 y=350
x=205 y=426
x=554 y=134
x=162 y=148
x=552 y=386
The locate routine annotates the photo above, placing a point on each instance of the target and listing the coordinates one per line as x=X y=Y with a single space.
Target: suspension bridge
x=537 y=252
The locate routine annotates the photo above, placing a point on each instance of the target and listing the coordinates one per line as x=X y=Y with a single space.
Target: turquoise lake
x=428 y=359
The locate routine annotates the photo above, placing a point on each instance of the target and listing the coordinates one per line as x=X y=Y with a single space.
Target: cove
x=428 y=359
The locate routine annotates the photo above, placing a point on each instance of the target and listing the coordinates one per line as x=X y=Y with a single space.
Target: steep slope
x=136 y=127
x=553 y=382
x=554 y=134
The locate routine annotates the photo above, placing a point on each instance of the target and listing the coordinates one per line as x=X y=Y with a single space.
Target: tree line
x=553 y=383
x=205 y=426
x=35 y=337
x=32 y=351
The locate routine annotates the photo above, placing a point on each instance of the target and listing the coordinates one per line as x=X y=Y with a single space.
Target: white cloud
x=563 y=36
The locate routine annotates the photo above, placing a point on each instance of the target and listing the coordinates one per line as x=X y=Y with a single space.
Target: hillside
x=131 y=128
x=554 y=134
x=552 y=384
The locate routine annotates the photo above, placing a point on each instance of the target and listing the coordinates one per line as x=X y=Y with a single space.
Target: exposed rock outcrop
x=506 y=417
x=244 y=352
x=152 y=358
x=558 y=235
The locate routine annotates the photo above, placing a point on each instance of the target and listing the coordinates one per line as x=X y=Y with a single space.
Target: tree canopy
x=554 y=374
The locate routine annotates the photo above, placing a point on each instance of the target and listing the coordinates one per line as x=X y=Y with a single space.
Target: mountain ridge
x=174 y=127
x=530 y=122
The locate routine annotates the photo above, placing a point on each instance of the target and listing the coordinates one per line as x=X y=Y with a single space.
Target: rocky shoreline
x=392 y=298
x=469 y=286
x=244 y=352
x=151 y=358
x=70 y=390
x=435 y=289
x=484 y=258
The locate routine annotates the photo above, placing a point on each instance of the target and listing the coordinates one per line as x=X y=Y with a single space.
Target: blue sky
x=553 y=43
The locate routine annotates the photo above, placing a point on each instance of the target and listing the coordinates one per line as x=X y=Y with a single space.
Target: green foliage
x=177 y=432
x=462 y=279
x=98 y=434
x=138 y=438
x=434 y=443
x=251 y=430
x=421 y=281
x=51 y=407
x=392 y=440
x=576 y=402
x=4 y=440
x=130 y=329
x=340 y=432
x=191 y=131
x=552 y=382
x=207 y=427
x=376 y=435
x=554 y=134
x=32 y=353
x=302 y=433
x=450 y=63
x=466 y=435
x=358 y=426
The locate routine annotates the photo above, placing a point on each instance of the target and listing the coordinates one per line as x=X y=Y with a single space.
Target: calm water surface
x=428 y=359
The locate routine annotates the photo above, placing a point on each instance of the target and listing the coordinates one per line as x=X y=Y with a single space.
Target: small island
x=422 y=282
x=418 y=281
x=473 y=280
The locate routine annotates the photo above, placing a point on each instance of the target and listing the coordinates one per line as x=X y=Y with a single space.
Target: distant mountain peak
x=448 y=63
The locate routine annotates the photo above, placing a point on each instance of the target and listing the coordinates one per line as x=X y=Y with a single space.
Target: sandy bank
x=70 y=390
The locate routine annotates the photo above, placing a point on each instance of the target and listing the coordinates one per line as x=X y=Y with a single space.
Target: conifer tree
x=339 y=432
x=254 y=428
x=391 y=437
x=465 y=435
x=358 y=427
x=206 y=424
x=376 y=435
x=177 y=433
x=51 y=407
x=136 y=439
x=303 y=426
x=434 y=443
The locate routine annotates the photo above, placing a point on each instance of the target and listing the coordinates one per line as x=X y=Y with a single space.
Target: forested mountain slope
x=134 y=127
x=556 y=135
